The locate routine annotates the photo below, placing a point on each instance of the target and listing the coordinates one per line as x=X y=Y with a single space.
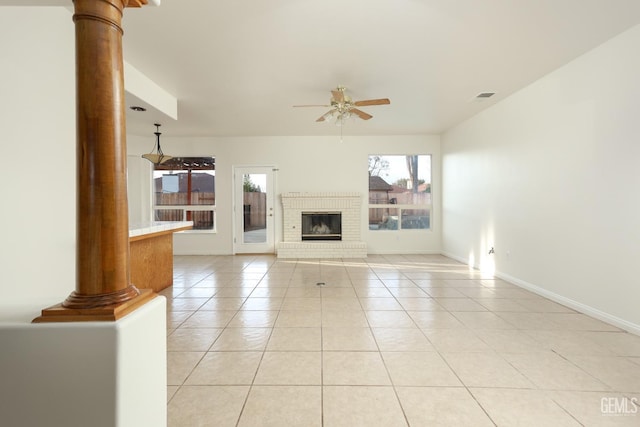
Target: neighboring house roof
x=376 y=183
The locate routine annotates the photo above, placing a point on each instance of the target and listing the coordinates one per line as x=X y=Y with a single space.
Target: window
x=399 y=192
x=184 y=190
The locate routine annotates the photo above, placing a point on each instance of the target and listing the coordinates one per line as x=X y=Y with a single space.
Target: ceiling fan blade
x=312 y=105
x=366 y=102
x=323 y=117
x=338 y=95
x=361 y=114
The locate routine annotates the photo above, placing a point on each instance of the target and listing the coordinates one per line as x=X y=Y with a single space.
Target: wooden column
x=103 y=289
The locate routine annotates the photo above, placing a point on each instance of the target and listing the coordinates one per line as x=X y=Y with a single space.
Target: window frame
x=402 y=207
x=187 y=161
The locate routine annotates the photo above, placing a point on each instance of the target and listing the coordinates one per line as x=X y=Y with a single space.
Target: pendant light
x=158 y=157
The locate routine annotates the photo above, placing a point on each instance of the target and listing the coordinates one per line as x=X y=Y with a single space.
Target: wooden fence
x=177 y=199
x=379 y=215
x=255 y=211
x=202 y=220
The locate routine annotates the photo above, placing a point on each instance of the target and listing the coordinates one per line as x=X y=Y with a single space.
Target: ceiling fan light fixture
x=341 y=117
x=344 y=108
x=158 y=157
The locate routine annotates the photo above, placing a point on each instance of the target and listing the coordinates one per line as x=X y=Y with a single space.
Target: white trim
x=457 y=258
x=578 y=306
x=404 y=252
x=186 y=207
x=568 y=302
x=269 y=246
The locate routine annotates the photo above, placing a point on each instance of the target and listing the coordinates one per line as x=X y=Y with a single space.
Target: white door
x=253 y=207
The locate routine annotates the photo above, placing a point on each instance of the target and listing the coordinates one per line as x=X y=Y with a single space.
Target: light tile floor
x=388 y=340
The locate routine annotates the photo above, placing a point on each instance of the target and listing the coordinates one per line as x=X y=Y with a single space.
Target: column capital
x=136 y=3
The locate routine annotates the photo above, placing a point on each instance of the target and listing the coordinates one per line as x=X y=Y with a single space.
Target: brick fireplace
x=348 y=205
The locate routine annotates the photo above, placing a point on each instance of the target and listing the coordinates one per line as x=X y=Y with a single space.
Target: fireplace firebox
x=321 y=226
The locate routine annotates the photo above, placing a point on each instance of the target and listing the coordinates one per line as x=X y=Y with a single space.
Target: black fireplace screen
x=321 y=226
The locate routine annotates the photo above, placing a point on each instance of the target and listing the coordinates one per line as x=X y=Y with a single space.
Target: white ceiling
x=238 y=66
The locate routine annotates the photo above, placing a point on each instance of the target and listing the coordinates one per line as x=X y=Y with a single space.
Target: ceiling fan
x=342 y=107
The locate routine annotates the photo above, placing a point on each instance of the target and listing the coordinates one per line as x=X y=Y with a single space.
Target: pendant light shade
x=158 y=157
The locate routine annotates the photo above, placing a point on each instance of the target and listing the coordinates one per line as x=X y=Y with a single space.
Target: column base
x=107 y=313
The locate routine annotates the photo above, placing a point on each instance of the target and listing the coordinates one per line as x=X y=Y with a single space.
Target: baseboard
x=404 y=252
x=568 y=302
x=560 y=299
x=457 y=258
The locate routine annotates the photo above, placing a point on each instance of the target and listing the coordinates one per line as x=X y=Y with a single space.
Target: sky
x=398 y=168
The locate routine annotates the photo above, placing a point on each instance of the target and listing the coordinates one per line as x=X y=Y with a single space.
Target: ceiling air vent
x=485 y=95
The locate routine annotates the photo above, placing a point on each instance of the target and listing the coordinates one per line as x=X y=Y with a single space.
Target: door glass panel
x=254 y=208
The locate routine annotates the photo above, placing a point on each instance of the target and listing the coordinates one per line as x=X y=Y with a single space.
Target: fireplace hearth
x=321 y=226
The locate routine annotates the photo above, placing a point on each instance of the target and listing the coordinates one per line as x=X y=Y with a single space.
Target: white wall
x=37 y=121
x=139 y=172
x=58 y=374
x=305 y=164
x=550 y=177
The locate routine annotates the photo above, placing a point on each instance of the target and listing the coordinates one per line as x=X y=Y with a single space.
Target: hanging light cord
x=157 y=133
